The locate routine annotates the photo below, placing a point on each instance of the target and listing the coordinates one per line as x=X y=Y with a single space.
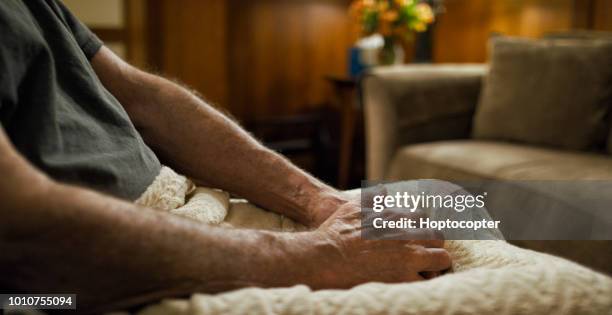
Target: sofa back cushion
x=587 y=35
x=553 y=92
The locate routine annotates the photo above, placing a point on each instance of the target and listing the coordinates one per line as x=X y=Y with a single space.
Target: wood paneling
x=269 y=57
x=602 y=17
x=136 y=32
x=280 y=51
x=462 y=32
x=192 y=41
x=254 y=58
x=584 y=11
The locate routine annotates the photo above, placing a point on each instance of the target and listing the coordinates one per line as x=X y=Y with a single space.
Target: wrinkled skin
x=351 y=260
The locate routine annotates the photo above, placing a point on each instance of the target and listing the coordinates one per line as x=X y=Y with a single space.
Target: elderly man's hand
x=344 y=259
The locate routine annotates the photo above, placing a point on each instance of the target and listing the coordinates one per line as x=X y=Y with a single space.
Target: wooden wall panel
x=193 y=43
x=137 y=39
x=269 y=57
x=584 y=11
x=602 y=17
x=531 y=18
x=280 y=52
x=462 y=32
x=254 y=58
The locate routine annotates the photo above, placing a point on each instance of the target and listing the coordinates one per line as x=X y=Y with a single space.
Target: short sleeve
x=15 y=58
x=87 y=40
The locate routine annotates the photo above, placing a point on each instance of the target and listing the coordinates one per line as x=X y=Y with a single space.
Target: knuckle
x=442 y=259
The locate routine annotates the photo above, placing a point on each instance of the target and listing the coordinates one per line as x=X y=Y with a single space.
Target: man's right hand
x=341 y=258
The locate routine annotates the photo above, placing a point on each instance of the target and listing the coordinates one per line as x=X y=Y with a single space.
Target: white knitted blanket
x=490 y=277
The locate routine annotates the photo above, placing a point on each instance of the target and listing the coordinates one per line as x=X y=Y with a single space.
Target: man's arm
x=197 y=140
x=56 y=238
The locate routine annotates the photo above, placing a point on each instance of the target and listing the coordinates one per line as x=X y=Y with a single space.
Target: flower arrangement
x=395 y=20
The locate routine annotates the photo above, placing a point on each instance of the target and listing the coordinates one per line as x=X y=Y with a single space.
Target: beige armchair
x=418 y=125
x=413 y=104
x=418 y=122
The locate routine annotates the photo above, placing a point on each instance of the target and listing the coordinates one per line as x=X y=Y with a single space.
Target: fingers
x=425 y=235
x=429 y=274
x=391 y=238
x=431 y=243
x=436 y=259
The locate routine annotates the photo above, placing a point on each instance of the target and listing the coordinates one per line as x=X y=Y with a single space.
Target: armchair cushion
x=547 y=92
x=487 y=160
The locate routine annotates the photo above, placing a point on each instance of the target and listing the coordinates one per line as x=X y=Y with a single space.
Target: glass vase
x=392 y=53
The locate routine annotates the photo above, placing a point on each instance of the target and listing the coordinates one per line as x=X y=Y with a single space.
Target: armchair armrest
x=416 y=103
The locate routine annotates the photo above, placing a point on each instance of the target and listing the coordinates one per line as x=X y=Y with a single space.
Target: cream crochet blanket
x=490 y=277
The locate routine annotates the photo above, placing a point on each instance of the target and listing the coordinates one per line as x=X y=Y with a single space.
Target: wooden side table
x=345 y=99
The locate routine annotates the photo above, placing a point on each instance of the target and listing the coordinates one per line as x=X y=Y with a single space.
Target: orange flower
x=384 y=16
x=403 y=3
x=425 y=13
x=382 y=6
x=389 y=16
x=356 y=10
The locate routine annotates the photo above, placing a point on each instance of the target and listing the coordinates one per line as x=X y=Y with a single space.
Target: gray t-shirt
x=55 y=110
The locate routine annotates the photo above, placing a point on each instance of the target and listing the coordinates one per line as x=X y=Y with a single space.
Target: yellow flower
x=425 y=13
x=420 y=27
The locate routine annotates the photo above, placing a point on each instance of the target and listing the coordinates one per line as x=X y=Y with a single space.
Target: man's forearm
x=57 y=238
x=197 y=140
x=113 y=255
